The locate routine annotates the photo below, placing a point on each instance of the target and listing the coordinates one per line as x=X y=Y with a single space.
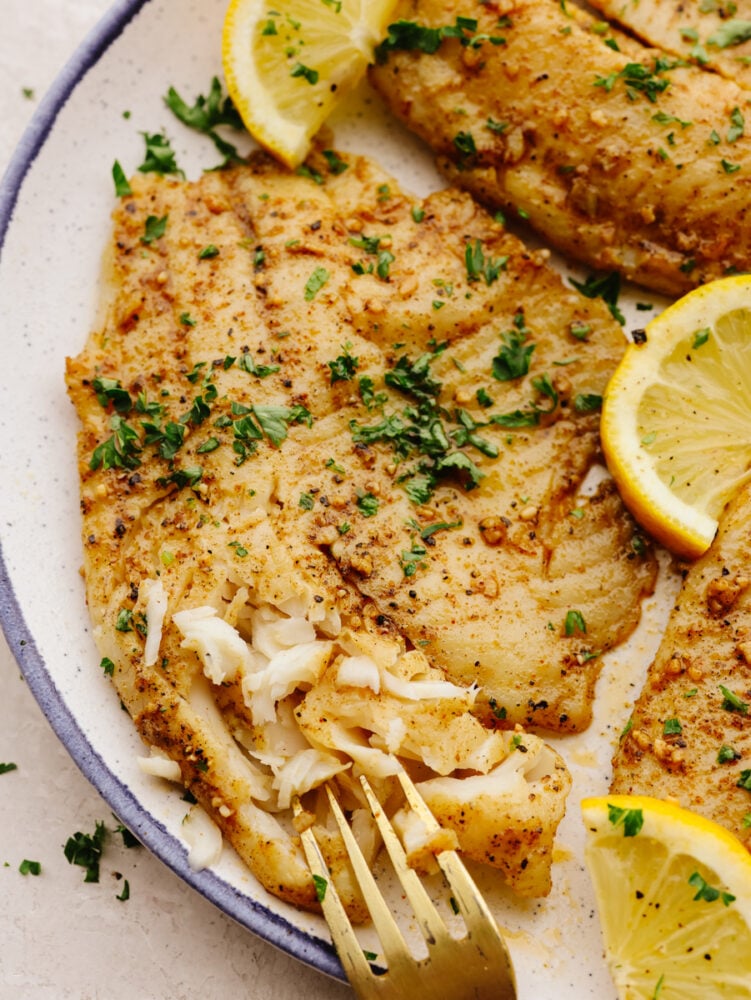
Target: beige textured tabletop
x=59 y=936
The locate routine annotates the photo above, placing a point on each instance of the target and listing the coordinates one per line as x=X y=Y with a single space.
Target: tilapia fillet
x=716 y=36
x=332 y=445
x=622 y=158
x=690 y=734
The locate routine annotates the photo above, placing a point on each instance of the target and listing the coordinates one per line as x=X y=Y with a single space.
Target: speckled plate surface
x=55 y=203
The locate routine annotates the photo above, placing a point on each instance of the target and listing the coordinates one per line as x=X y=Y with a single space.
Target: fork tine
x=348 y=948
x=433 y=928
x=481 y=925
x=393 y=945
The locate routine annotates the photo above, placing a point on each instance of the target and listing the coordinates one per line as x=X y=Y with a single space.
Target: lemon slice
x=674 y=896
x=676 y=419
x=287 y=64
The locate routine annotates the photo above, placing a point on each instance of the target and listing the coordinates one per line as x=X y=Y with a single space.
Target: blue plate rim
x=256 y=917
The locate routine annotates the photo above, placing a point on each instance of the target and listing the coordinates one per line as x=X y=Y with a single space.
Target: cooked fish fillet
x=713 y=35
x=623 y=160
x=690 y=733
x=307 y=499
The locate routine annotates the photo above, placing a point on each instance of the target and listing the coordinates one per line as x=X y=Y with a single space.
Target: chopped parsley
x=631 y=820
x=247 y=364
x=306 y=502
x=479 y=266
x=662 y=118
x=30 y=867
x=125 y=894
x=85 y=849
x=429 y=530
x=587 y=402
x=122 y=187
x=315 y=283
x=109 y=390
x=206 y=114
x=367 y=504
x=496 y=127
x=208 y=252
x=209 y=445
x=732 y=32
x=307 y=74
x=498 y=711
x=321 y=885
x=574 y=623
x=603 y=286
x=513 y=359
x=189 y=476
x=737 y=125
x=732 y=703
x=154 y=228
x=335 y=163
x=639 y=79
x=107 y=665
x=274 y=420
x=383 y=265
x=700 y=337
x=707 y=892
x=744 y=781
x=672 y=727
x=7 y=767
x=413 y=559
x=160 y=156
x=727 y=754
x=409 y=36
x=464 y=143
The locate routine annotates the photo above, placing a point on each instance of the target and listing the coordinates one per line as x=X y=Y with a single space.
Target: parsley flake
x=85 y=849
x=631 y=820
x=160 y=156
x=513 y=359
x=107 y=665
x=732 y=32
x=479 y=266
x=321 y=885
x=708 y=892
x=574 y=623
x=122 y=187
x=154 y=228
x=367 y=504
x=732 y=703
x=344 y=366
x=315 y=283
x=604 y=286
x=308 y=74
x=206 y=114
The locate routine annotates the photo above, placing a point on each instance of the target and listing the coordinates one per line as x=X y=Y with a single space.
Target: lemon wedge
x=287 y=64
x=676 y=418
x=674 y=896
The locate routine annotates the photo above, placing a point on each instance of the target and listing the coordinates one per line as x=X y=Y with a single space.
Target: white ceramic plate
x=55 y=203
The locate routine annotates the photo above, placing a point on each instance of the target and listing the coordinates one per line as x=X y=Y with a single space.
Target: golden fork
x=476 y=966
